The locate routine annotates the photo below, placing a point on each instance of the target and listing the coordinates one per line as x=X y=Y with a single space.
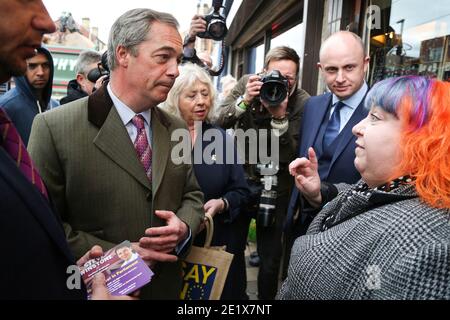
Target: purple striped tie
x=14 y=145
x=141 y=145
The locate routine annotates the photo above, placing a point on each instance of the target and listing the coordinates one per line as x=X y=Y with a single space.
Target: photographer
x=210 y=26
x=198 y=25
x=243 y=109
x=86 y=69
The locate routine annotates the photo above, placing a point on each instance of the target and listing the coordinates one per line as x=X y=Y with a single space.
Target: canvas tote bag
x=205 y=269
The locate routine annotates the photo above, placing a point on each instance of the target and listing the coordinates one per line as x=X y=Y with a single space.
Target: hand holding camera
x=272 y=88
x=101 y=73
x=215 y=23
x=198 y=25
x=252 y=89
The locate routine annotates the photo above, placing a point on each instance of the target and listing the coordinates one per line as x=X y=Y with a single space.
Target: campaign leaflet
x=124 y=270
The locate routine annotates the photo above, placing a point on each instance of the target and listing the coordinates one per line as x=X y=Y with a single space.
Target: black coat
x=74 y=92
x=35 y=254
x=230 y=227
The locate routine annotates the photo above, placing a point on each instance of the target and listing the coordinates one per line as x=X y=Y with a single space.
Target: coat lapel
x=114 y=141
x=112 y=137
x=311 y=123
x=160 y=148
x=38 y=206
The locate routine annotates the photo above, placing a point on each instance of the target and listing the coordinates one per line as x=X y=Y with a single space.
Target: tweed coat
x=379 y=245
x=99 y=186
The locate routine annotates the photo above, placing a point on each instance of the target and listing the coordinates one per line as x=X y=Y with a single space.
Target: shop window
x=293 y=38
x=414 y=39
x=334 y=16
x=256 y=59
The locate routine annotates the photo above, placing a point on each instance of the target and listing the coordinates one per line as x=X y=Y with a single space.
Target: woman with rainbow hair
x=388 y=236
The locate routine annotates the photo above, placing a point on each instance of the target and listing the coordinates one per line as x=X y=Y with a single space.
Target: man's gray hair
x=85 y=60
x=132 y=28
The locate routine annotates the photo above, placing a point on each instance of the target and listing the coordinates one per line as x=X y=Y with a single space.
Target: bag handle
x=209 y=230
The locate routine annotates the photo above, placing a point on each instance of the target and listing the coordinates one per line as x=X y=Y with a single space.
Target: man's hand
x=278 y=112
x=252 y=88
x=95 y=252
x=150 y=255
x=165 y=239
x=99 y=82
x=307 y=178
x=100 y=291
x=198 y=24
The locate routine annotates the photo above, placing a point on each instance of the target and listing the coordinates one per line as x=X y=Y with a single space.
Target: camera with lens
x=275 y=88
x=216 y=27
x=267 y=203
x=101 y=70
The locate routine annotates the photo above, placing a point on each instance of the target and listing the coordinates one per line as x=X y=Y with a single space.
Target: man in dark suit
x=36 y=253
x=328 y=121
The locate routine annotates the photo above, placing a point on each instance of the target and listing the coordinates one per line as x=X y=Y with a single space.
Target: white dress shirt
x=126 y=114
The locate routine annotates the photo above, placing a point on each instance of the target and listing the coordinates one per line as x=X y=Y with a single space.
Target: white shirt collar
x=355 y=100
x=125 y=112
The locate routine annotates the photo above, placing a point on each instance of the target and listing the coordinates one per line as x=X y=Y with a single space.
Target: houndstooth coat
x=378 y=245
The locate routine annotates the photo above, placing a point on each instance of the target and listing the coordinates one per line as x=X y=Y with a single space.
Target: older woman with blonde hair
x=387 y=237
x=223 y=183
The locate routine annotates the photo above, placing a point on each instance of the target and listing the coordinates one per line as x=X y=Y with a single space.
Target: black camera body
x=267 y=203
x=216 y=27
x=275 y=88
x=101 y=70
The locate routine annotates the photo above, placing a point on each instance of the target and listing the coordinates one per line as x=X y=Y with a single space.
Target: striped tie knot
x=138 y=121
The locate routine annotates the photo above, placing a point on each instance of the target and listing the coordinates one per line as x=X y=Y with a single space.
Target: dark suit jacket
x=220 y=179
x=100 y=188
x=342 y=168
x=35 y=254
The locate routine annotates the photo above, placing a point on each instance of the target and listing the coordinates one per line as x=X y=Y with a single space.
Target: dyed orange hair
x=425 y=142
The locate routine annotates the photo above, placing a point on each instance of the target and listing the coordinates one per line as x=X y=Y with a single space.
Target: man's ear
x=122 y=56
x=80 y=78
x=319 y=66
x=366 y=63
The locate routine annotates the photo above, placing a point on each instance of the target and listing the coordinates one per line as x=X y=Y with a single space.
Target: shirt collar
x=125 y=112
x=355 y=100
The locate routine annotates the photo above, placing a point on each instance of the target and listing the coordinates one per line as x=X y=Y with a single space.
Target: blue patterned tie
x=333 y=126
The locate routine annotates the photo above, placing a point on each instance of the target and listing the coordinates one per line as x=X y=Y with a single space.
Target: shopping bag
x=205 y=269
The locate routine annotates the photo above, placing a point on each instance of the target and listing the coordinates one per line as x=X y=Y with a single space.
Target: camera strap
x=217 y=4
